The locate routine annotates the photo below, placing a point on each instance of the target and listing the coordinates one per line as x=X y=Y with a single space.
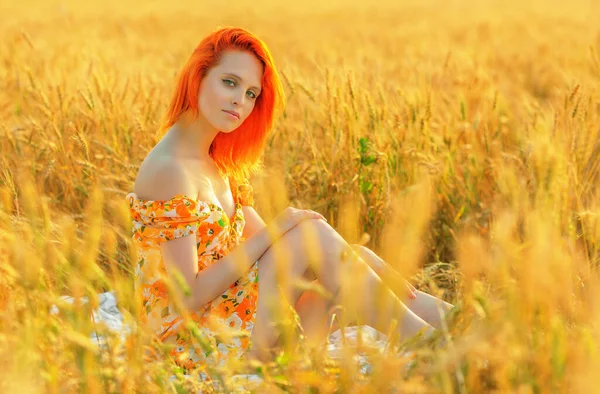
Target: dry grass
x=463 y=137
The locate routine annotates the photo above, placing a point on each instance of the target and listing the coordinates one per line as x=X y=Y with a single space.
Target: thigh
x=279 y=270
x=306 y=252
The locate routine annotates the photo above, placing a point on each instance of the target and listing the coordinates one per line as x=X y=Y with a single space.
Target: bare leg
x=361 y=291
x=427 y=307
x=315 y=315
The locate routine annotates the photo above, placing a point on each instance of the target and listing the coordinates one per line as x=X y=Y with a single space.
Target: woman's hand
x=290 y=217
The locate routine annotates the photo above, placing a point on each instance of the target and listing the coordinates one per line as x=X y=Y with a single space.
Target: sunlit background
x=460 y=140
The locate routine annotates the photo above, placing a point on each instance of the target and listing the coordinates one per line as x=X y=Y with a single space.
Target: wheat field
x=460 y=140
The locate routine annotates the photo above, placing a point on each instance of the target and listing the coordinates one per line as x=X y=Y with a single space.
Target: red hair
x=238 y=153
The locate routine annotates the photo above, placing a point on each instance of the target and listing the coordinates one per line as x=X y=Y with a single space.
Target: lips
x=233 y=113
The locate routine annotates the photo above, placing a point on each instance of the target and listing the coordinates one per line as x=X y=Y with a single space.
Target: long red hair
x=239 y=153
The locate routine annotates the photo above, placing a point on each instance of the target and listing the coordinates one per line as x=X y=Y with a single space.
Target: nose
x=237 y=100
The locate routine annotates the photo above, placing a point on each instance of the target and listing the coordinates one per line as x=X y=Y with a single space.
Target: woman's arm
x=209 y=283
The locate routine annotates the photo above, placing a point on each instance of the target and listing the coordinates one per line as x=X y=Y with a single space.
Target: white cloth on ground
x=109 y=314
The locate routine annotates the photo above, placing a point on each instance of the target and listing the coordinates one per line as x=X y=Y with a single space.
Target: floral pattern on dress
x=158 y=221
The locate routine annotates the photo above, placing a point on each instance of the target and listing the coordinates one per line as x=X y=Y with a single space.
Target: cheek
x=208 y=99
x=250 y=108
x=212 y=90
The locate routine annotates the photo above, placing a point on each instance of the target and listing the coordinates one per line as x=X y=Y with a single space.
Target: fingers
x=306 y=214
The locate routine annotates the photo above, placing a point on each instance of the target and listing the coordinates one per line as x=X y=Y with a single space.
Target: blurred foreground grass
x=463 y=138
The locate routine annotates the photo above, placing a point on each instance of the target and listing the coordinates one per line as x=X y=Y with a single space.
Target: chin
x=228 y=130
x=229 y=127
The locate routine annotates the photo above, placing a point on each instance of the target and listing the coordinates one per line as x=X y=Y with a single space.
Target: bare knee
x=315 y=226
x=320 y=246
x=297 y=252
x=312 y=238
x=306 y=236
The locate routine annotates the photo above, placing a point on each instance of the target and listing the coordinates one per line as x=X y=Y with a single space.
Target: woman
x=194 y=219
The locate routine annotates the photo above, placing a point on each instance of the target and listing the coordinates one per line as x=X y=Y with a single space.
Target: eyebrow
x=241 y=79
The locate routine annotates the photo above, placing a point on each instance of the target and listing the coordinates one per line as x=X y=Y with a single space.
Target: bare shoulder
x=161 y=178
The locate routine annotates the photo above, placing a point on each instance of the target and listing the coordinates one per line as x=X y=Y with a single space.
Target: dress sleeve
x=244 y=193
x=161 y=221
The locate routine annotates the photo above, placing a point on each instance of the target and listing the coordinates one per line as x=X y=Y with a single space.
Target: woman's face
x=233 y=85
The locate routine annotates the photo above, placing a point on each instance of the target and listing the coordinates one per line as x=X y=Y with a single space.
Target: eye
x=229 y=82
x=253 y=94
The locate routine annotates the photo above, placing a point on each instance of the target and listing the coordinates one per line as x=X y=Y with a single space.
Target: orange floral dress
x=155 y=222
